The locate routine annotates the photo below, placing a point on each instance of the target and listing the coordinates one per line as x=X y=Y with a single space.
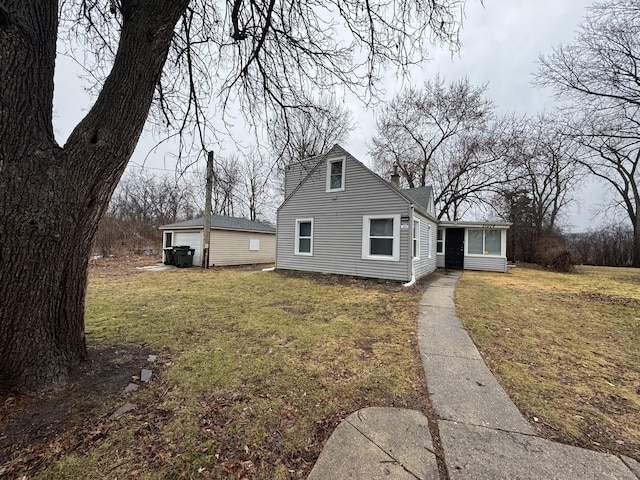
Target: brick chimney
x=395 y=178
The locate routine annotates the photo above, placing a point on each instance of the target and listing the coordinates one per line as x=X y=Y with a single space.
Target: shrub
x=552 y=253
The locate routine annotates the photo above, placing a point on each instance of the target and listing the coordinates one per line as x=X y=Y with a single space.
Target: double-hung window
x=484 y=242
x=335 y=174
x=381 y=237
x=440 y=241
x=304 y=236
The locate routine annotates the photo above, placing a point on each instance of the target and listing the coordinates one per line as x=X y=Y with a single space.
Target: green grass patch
x=566 y=347
x=255 y=370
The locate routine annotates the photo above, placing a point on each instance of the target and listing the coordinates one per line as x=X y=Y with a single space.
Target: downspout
x=411 y=282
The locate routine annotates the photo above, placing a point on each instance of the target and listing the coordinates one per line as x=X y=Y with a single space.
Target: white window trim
x=503 y=243
x=416 y=253
x=366 y=226
x=297 y=237
x=444 y=235
x=430 y=241
x=164 y=238
x=344 y=164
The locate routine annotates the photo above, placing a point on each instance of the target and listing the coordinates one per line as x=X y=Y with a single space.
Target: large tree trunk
x=52 y=198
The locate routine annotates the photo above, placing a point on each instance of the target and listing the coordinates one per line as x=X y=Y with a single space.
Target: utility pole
x=207 y=212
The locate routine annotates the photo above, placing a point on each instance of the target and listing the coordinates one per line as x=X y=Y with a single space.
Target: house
x=233 y=241
x=340 y=217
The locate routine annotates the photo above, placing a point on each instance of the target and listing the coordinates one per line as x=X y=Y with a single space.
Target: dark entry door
x=454 y=248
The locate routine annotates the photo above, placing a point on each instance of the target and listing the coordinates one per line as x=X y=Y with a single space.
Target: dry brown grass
x=566 y=347
x=254 y=372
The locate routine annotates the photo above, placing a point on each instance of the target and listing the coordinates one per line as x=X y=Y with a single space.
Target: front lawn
x=566 y=348
x=254 y=370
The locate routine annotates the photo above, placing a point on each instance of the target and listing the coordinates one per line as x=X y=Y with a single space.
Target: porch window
x=475 y=242
x=440 y=241
x=484 y=242
x=304 y=236
x=381 y=237
x=492 y=242
x=335 y=175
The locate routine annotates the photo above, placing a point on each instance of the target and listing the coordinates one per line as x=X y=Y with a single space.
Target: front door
x=454 y=248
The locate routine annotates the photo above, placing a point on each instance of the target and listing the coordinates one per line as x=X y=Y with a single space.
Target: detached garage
x=233 y=241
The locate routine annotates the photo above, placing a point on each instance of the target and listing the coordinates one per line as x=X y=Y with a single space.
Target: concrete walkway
x=482 y=433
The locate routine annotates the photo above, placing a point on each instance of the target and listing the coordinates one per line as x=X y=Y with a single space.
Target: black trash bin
x=183 y=256
x=169 y=256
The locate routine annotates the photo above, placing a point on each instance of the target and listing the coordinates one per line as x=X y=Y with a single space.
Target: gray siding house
x=232 y=241
x=340 y=217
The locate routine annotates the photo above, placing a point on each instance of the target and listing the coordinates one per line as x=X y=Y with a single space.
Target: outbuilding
x=233 y=241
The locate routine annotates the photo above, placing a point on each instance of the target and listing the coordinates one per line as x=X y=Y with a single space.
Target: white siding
x=193 y=238
x=337 y=224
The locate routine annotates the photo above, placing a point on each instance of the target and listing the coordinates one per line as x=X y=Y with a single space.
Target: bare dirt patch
x=35 y=430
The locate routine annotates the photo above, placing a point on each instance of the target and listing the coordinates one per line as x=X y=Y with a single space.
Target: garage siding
x=233 y=248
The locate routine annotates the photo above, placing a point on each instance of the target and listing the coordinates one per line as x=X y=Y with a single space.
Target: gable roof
x=421 y=195
x=224 y=223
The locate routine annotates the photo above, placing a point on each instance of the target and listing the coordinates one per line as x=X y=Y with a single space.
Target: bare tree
x=255 y=185
x=611 y=245
x=140 y=204
x=269 y=55
x=305 y=134
x=542 y=176
x=546 y=168
x=439 y=135
x=597 y=79
x=226 y=182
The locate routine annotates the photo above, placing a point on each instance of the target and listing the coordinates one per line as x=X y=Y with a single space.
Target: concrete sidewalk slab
x=464 y=390
x=633 y=465
x=485 y=454
x=446 y=339
x=432 y=317
x=379 y=443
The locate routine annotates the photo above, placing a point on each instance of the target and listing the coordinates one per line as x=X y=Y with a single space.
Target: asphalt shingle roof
x=224 y=222
x=419 y=195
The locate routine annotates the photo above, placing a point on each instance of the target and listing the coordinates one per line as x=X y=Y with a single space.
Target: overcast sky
x=501 y=42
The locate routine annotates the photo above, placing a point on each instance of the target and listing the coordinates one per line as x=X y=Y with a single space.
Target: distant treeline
x=609 y=246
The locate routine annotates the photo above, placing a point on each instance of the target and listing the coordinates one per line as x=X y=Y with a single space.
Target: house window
x=440 y=241
x=335 y=175
x=304 y=236
x=429 y=241
x=484 y=242
x=168 y=239
x=381 y=237
x=416 y=239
